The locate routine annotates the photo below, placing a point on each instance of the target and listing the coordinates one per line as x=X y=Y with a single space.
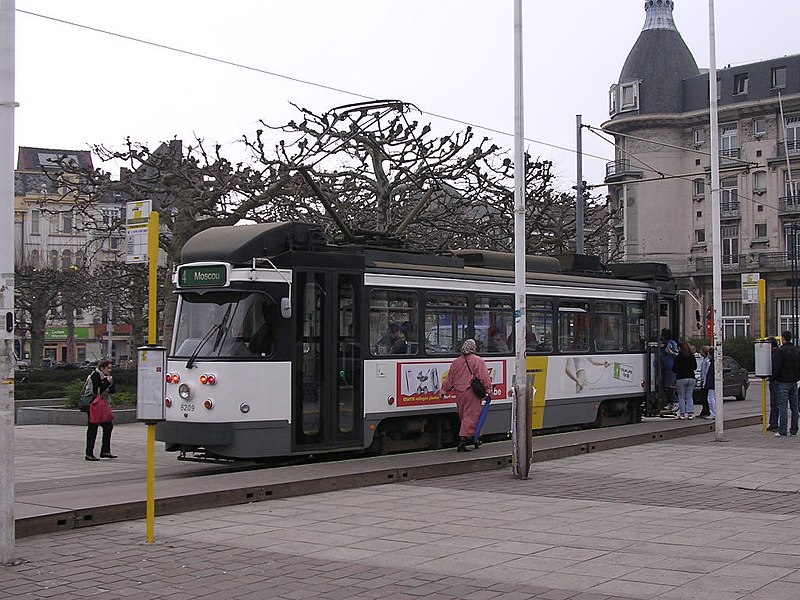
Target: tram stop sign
x=750 y=288
x=151 y=385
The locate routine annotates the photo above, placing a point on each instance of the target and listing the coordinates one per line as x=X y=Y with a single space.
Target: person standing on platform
x=459 y=378
x=668 y=349
x=773 y=392
x=102 y=385
x=703 y=395
x=684 y=366
x=786 y=373
x=708 y=382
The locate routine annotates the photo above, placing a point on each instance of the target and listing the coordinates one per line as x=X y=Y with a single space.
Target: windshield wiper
x=222 y=329
x=202 y=343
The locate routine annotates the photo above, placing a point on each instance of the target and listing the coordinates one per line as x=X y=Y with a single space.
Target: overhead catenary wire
x=300 y=80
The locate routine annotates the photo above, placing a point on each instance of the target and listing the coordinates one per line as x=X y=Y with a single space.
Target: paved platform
x=689 y=518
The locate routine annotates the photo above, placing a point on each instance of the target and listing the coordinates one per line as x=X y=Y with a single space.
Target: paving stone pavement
x=680 y=520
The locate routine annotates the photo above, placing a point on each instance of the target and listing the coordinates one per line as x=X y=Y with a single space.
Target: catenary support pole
x=715 y=227
x=579 y=192
x=7 y=104
x=152 y=330
x=521 y=426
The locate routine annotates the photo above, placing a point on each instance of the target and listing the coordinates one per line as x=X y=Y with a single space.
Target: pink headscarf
x=469 y=346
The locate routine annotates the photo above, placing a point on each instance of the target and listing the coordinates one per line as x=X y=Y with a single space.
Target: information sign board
x=137 y=216
x=203 y=275
x=151 y=384
x=750 y=288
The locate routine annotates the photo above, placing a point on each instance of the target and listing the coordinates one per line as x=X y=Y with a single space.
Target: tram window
x=636 y=327
x=539 y=330
x=392 y=322
x=494 y=323
x=445 y=323
x=244 y=322
x=573 y=326
x=608 y=326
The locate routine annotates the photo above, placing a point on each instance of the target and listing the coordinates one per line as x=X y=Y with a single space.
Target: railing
x=789 y=204
x=729 y=210
x=793 y=146
x=774 y=261
x=730 y=262
x=617 y=167
x=729 y=156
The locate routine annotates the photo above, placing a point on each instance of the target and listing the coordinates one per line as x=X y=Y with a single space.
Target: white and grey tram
x=287 y=345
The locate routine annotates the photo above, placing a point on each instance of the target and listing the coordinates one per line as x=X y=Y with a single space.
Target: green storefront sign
x=60 y=333
x=197 y=276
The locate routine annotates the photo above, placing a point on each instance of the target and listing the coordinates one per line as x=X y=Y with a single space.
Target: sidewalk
x=684 y=519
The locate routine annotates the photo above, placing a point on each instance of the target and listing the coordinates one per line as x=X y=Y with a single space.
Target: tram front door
x=327 y=405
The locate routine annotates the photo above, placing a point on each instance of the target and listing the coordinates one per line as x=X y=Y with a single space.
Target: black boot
x=476 y=441
x=462 y=444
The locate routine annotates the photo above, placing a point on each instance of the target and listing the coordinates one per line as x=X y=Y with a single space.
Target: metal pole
x=110 y=330
x=7 y=104
x=715 y=223
x=521 y=426
x=579 y=218
x=793 y=241
x=152 y=319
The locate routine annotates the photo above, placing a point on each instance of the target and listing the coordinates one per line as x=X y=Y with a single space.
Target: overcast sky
x=77 y=87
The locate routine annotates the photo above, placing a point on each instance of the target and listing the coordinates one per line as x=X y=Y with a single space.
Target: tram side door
x=327 y=402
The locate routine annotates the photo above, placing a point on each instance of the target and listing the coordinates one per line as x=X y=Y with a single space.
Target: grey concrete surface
x=684 y=519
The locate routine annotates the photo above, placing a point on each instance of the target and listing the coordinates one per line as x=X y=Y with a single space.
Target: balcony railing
x=775 y=261
x=729 y=156
x=617 y=167
x=729 y=210
x=730 y=262
x=789 y=205
x=793 y=146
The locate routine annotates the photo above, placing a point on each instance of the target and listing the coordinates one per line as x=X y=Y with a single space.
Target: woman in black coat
x=684 y=367
x=102 y=385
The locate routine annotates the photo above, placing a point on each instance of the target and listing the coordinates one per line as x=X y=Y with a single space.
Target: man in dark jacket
x=785 y=374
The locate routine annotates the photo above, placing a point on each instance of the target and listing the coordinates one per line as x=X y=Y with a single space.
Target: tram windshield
x=233 y=325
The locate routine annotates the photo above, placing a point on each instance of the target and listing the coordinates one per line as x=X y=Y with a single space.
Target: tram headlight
x=208 y=404
x=184 y=391
x=167 y=401
x=244 y=407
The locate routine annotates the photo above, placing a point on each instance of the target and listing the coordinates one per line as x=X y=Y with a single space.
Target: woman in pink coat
x=459 y=379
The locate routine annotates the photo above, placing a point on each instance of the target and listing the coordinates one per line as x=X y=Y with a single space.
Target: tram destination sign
x=203 y=276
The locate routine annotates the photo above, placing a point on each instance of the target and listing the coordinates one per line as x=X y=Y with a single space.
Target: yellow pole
x=762 y=311
x=152 y=318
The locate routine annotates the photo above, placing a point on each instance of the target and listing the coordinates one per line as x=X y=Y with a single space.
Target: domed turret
x=650 y=81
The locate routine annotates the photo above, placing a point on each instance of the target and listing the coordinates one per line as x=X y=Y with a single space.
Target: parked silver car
x=735 y=378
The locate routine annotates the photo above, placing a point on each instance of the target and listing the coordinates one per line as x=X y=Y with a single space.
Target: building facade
x=659 y=183
x=51 y=234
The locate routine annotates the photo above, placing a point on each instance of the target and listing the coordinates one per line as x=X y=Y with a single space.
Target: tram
x=287 y=345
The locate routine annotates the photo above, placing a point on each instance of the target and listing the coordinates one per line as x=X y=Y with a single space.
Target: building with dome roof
x=659 y=182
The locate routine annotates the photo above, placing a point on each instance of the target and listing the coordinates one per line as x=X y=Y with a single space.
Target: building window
x=66 y=223
x=53 y=220
x=699 y=136
x=740 y=84
x=719 y=88
x=612 y=100
x=792 y=238
x=699 y=236
x=792 y=188
x=66 y=260
x=729 y=141
x=629 y=96
x=35 y=222
x=735 y=319
x=699 y=214
x=760 y=230
x=785 y=314
x=34 y=259
x=698 y=188
x=730 y=244
x=729 y=197
x=113 y=243
x=779 y=77
x=760 y=182
x=793 y=135
x=759 y=126
x=54 y=259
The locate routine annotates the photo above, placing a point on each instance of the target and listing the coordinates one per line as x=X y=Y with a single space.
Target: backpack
x=87 y=397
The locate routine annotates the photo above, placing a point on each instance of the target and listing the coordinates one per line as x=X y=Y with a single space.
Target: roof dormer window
x=629 y=96
x=740 y=84
x=612 y=100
